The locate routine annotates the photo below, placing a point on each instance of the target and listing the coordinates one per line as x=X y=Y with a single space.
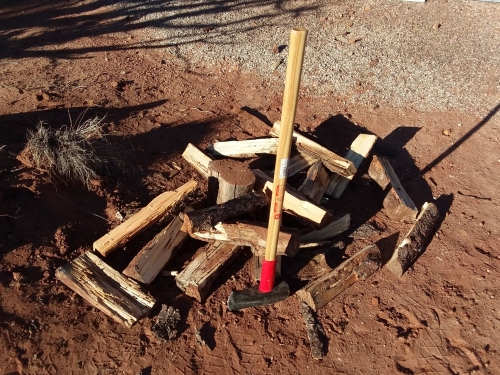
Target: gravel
x=436 y=55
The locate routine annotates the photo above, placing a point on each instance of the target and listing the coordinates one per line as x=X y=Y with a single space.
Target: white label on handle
x=283 y=167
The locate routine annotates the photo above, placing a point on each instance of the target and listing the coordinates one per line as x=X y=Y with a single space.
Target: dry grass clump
x=71 y=152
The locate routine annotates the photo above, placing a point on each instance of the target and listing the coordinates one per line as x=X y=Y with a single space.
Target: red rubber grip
x=267 y=276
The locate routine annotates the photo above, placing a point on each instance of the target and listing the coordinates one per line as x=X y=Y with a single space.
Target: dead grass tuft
x=70 y=152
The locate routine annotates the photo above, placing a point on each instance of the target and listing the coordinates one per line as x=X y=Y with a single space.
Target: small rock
x=374 y=62
x=166 y=324
x=436 y=26
x=354 y=40
x=17 y=276
x=367 y=8
x=276 y=49
x=349 y=24
x=447 y=132
x=323 y=18
x=375 y=301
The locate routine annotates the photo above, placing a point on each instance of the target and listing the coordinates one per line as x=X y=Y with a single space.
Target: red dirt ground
x=441 y=317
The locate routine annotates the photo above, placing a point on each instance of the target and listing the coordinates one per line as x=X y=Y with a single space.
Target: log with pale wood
x=333 y=229
x=228 y=179
x=332 y=161
x=358 y=267
x=315 y=332
x=360 y=149
x=397 y=204
x=249 y=148
x=250 y=234
x=197 y=158
x=315 y=183
x=106 y=289
x=197 y=278
x=298 y=163
x=148 y=263
x=205 y=219
x=146 y=217
x=415 y=242
x=294 y=202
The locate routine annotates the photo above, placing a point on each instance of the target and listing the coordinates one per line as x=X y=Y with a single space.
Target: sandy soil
x=441 y=317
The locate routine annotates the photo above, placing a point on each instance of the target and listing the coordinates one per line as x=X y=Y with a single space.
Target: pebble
x=447 y=132
x=436 y=26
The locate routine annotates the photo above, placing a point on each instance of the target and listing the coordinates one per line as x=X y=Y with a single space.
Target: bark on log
x=147 y=216
x=360 y=149
x=197 y=159
x=331 y=230
x=228 y=179
x=332 y=161
x=205 y=219
x=148 y=263
x=415 y=242
x=315 y=183
x=197 y=278
x=397 y=203
x=106 y=289
x=253 y=235
x=358 y=267
x=293 y=202
x=249 y=148
x=315 y=332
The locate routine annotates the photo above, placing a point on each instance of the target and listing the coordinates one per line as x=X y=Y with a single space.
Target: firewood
x=294 y=202
x=415 y=242
x=228 y=179
x=147 y=216
x=358 y=267
x=203 y=220
x=360 y=149
x=106 y=289
x=197 y=278
x=332 y=161
x=298 y=163
x=331 y=230
x=315 y=183
x=249 y=148
x=253 y=235
x=148 y=263
x=397 y=203
x=197 y=159
x=315 y=332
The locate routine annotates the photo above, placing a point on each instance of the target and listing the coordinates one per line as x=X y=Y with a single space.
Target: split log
x=228 y=179
x=358 y=267
x=294 y=202
x=197 y=159
x=397 y=203
x=249 y=148
x=315 y=332
x=332 y=161
x=106 y=289
x=197 y=278
x=298 y=163
x=415 y=242
x=257 y=267
x=331 y=230
x=148 y=263
x=203 y=220
x=315 y=183
x=147 y=216
x=252 y=235
x=360 y=149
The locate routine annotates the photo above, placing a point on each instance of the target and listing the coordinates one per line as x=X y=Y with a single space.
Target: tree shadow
x=33 y=29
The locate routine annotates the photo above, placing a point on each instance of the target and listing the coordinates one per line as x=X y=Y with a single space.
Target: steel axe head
x=253 y=297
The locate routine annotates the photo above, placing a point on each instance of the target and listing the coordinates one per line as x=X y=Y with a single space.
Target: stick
x=358 y=267
x=197 y=159
x=147 y=216
x=415 y=242
x=249 y=148
x=331 y=230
